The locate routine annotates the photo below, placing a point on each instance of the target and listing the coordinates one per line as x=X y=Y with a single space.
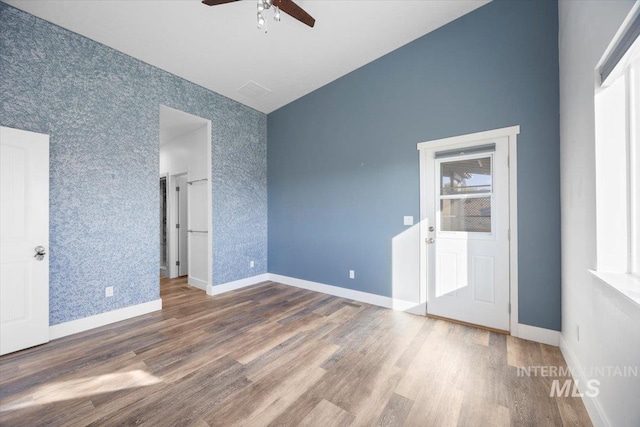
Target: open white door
x=182 y=207
x=465 y=227
x=24 y=239
x=198 y=232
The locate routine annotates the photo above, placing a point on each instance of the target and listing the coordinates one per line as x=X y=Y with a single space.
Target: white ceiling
x=175 y=123
x=220 y=48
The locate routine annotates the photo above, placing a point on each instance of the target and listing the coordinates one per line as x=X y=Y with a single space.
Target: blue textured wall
x=101 y=110
x=343 y=165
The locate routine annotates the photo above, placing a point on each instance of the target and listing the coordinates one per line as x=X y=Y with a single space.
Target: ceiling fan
x=287 y=6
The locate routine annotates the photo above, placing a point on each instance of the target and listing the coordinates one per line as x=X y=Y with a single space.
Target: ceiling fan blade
x=290 y=8
x=216 y=2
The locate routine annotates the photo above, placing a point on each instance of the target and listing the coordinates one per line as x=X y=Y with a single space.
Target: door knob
x=430 y=241
x=431 y=228
x=40 y=253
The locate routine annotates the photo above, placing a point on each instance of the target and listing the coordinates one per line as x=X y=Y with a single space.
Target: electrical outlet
x=108 y=291
x=352 y=274
x=251 y=264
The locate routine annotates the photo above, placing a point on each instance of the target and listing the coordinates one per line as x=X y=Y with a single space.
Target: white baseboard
x=200 y=284
x=541 y=335
x=102 y=319
x=420 y=309
x=351 y=294
x=237 y=284
x=598 y=418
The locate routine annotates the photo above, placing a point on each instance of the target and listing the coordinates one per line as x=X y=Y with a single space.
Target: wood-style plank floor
x=273 y=355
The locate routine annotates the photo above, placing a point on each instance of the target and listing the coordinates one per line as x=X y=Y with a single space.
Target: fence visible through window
x=465 y=195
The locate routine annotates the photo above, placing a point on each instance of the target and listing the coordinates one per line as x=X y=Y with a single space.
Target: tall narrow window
x=617 y=103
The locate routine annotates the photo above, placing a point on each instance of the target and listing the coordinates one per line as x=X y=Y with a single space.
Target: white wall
x=188 y=153
x=609 y=323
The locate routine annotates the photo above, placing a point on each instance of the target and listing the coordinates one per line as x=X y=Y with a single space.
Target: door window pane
x=465 y=176
x=470 y=214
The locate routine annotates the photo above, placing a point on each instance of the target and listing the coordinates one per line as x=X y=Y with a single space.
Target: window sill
x=626 y=284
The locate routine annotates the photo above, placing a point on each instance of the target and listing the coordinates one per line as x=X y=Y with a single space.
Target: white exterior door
x=24 y=239
x=467 y=236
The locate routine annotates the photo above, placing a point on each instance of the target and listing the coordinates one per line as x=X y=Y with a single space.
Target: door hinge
x=509 y=235
x=177 y=188
x=177 y=225
x=508 y=161
x=178 y=263
x=509 y=308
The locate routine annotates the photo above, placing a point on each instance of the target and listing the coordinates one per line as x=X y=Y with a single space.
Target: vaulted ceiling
x=221 y=49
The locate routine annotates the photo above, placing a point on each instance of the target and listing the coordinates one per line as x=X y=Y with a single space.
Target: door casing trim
x=507 y=135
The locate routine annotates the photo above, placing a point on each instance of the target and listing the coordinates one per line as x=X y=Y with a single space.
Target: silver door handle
x=430 y=241
x=40 y=253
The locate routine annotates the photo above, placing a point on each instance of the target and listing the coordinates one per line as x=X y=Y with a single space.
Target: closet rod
x=197 y=180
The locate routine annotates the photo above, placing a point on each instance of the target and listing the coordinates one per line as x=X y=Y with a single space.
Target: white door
x=181 y=215
x=198 y=233
x=24 y=231
x=467 y=240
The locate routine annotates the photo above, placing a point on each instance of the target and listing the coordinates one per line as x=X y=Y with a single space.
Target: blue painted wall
x=343 y=165
x=101 y=110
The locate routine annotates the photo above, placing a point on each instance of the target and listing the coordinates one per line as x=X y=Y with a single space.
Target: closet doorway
x=185 y=204
x=164 y=248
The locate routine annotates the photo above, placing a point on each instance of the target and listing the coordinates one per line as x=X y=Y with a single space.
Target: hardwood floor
x=275 y=355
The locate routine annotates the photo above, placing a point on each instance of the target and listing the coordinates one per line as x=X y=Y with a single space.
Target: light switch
x=408 y=220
